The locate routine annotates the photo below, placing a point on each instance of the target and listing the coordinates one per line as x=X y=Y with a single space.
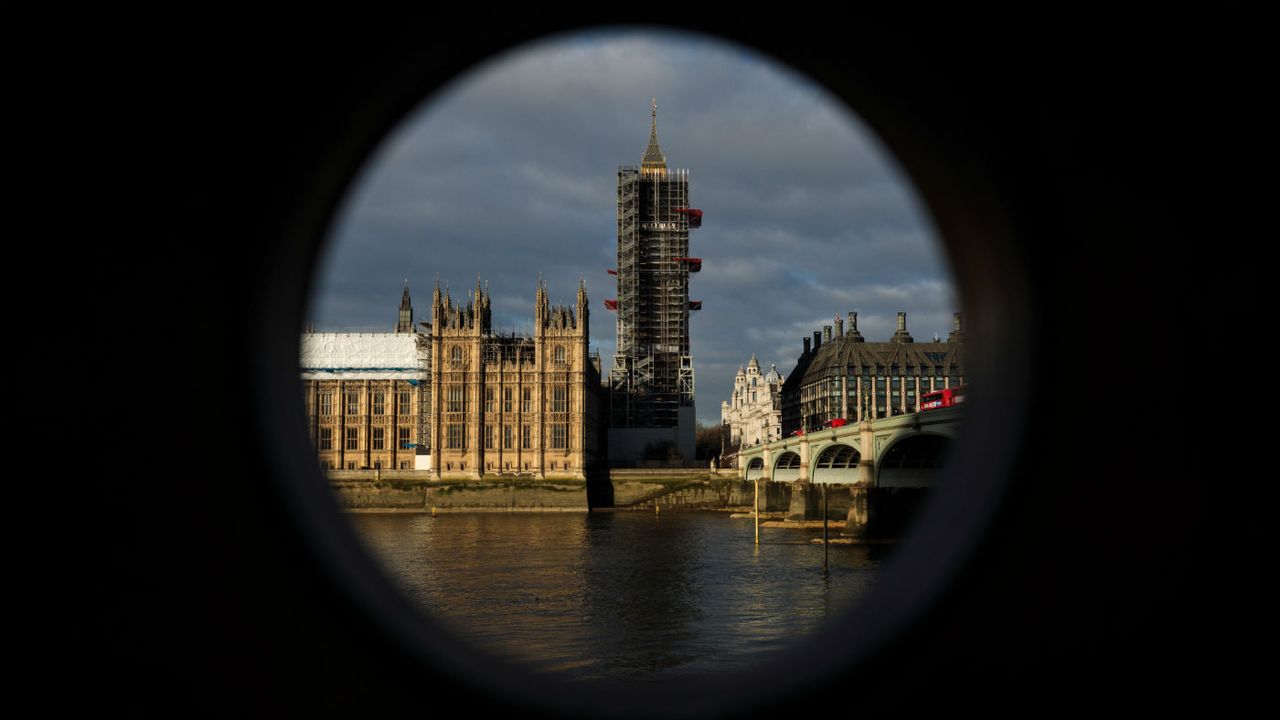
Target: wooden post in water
x=757 y=485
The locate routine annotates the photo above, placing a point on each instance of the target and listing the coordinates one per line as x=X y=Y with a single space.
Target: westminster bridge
x=881 y=468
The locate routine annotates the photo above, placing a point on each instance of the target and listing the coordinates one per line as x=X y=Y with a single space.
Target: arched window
x=560 y=353
x=456 y=354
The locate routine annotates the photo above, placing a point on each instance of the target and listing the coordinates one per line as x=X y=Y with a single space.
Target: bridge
x=881 y=468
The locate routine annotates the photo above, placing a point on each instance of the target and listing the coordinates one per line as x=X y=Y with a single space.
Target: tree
x=707 y=441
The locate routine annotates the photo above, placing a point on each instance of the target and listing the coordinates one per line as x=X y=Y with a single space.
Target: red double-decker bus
x=946 y=397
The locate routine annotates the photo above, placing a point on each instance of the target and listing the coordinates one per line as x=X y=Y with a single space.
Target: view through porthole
x=611 y=334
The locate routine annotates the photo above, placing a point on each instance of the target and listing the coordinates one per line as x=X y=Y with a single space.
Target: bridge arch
x=912 y=459
x=837 y=463
x=755 y=468
x=787 y=467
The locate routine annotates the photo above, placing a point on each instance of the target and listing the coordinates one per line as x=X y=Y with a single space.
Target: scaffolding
x=652 y=375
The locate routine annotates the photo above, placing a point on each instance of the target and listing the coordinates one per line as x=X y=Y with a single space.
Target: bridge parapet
x=884 y=431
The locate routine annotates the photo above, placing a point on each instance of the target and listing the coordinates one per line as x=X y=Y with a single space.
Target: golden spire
x=654 y=161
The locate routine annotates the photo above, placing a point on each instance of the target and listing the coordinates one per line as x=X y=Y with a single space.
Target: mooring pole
x=825 y=545
x=757 y=485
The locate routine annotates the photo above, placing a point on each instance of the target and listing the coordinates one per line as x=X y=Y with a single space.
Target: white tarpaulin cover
x=365 y=356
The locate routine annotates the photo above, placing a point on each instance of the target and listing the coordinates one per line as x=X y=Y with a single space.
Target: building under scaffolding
x=651 y=384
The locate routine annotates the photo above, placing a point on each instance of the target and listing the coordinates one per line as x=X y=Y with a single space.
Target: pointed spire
x=754 y=363
x=654 y=161
x=404 y=321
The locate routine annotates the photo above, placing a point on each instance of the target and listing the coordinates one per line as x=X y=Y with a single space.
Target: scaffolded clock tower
x=651 y=382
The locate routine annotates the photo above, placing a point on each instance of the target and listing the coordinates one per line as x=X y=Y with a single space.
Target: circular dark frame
x=962 y=193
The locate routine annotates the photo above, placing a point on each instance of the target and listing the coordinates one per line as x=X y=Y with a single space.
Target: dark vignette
x=1069 y=171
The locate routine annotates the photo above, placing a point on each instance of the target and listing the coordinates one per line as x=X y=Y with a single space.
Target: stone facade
x=366 y=398
x=510 y=405
x=458 y=401
x=753 y=415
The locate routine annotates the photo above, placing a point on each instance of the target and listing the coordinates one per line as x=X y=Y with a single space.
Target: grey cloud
x=510 y=172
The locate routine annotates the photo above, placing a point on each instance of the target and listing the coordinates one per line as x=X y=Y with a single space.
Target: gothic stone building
x=366 y=398
x=510 y=405
x=754 y=414
x=839 y=377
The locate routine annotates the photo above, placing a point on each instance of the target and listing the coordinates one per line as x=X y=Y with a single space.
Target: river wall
x=413 y=491
x=416 y=491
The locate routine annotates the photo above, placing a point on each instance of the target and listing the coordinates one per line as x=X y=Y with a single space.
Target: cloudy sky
x=511 y=171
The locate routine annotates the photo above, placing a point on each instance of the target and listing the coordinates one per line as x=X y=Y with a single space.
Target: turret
x=404 y=323
x=583 y=328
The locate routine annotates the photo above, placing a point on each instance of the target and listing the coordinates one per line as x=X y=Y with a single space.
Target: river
x=620 y=595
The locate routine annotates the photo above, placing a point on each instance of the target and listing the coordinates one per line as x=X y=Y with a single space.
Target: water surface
x=624 y=595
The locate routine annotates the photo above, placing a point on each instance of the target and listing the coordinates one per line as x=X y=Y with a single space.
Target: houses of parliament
x=455 y=398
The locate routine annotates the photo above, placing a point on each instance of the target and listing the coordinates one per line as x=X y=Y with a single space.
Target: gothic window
x=456 y=399
x=457 y=438
x=379 y=403
x=489 y=433
x=404 y=438
x=506 y=399
x=326 y=438
x=526 y=437
x=526 y=400
x=560 y=399
x=353 y=403
x=559 y=436
x=506 y=437
x=325 y=403
x=560 y=354
x=455 y=354
x=353 y=439
x=490 y=405
x=379 y=439
x=405 y=403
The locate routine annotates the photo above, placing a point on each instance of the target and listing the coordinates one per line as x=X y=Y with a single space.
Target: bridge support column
x=858 y=524
x=777 y=496
x=806 y=501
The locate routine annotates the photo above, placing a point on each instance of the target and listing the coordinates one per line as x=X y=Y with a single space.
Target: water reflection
x=619 y=595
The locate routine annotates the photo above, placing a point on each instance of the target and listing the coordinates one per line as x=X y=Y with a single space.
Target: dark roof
x=851 y=356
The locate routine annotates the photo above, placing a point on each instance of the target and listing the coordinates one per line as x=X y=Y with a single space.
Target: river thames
x=620 y=595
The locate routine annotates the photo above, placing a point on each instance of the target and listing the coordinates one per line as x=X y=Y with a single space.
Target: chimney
x=957 y=328
x=853 y=328
x=806 y=346
x=817 y=339
x=839 y=327
x=826 y=333
x=902 y=336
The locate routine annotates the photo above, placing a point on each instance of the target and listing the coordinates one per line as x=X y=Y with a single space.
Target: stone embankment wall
x=408 y=490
